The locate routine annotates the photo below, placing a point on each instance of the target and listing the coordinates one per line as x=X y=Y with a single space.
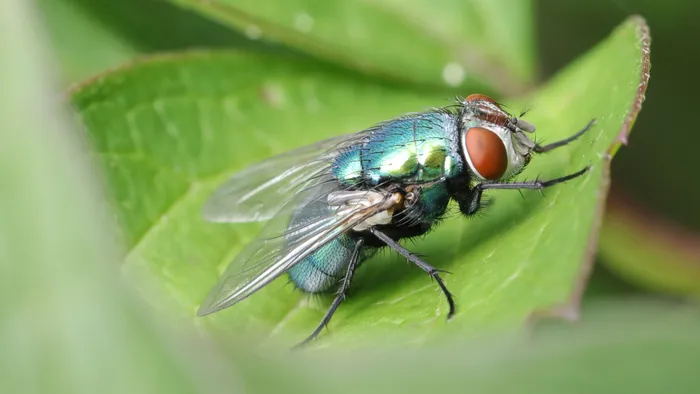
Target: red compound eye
x=487 y=152
x=482 y=97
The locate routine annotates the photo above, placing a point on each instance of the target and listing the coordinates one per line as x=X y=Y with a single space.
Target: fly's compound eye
x=481 y=97
x=486 y=153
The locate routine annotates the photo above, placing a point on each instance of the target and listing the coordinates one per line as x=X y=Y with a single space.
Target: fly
x=331 y=205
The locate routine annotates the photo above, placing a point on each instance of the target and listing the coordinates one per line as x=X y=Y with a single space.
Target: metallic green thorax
x=416 y=149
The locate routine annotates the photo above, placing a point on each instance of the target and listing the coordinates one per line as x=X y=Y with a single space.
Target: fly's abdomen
x=324 y=269
x=327 y=265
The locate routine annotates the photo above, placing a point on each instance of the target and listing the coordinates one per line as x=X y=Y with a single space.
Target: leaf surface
x=452 y=42
x=170 y=129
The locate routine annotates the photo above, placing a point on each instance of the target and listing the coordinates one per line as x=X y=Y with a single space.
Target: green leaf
x=650 y=251
x=623 y=347
x=67 y=322
x=569 y=27
x=91 y=36
x=449 y=42
x=620 y=347
x=82 y=44
x=170 y=129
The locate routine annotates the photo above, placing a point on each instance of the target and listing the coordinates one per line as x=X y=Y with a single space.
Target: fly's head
x=494 y=143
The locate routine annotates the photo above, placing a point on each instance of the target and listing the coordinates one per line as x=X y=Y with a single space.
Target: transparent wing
x=257 y=192
x=323 y=212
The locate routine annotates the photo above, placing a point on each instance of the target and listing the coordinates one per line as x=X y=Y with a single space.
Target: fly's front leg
x=536 y=184
x=472 y=202
x=546 y=148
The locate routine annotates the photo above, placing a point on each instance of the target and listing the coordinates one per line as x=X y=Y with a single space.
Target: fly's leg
x=546 y=148
x=340 y=297
x=471 y=205
x=536 y=184
x=432 y=271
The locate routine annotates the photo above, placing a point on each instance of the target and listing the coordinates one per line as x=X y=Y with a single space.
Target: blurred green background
x=649 y=247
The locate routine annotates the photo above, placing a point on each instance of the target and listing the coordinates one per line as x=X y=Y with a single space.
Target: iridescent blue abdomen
x=323 y=269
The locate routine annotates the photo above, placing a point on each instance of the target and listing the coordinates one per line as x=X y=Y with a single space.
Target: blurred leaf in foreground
x=170 y=129
x=66 y=322
x=620 y=347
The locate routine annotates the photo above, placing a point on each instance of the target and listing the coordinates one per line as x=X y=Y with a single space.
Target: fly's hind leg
x=432 y=271
x=340 y=297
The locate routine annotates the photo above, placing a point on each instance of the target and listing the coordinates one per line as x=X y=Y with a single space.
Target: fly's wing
x=322 y=213
x=257 y=192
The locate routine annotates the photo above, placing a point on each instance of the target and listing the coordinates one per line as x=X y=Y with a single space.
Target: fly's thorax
x=493 y=143
x=416 y=148
x=347 y=167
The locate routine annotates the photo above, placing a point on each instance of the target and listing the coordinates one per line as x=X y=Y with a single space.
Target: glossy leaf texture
x=446 y=42
x=170 y=129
